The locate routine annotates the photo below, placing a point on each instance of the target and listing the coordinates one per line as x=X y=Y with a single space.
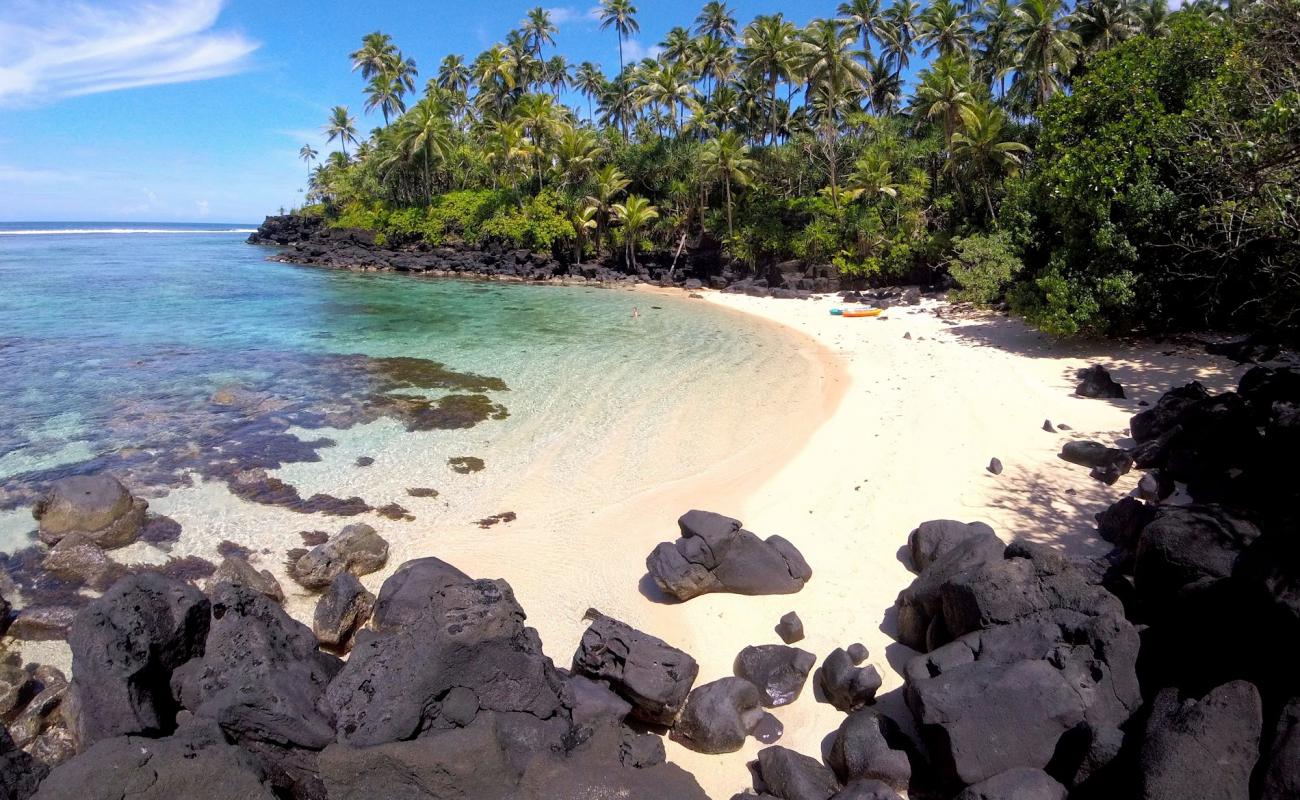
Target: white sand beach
x=919 y=420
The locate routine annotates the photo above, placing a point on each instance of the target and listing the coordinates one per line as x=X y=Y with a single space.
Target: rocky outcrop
x=1203 y=747
x=341 y=612
x=96 y=506
x=714 y=554
x=125 y=647
x=649 y=673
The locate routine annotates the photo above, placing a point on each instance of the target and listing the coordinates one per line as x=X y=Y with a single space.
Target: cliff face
x=286 y=229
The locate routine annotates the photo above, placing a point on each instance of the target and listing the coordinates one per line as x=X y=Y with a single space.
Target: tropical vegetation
x=1099 y=166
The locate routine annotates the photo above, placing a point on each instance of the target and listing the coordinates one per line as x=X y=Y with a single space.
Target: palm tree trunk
x=772 y=114
x=428 y=184
x=730 y=233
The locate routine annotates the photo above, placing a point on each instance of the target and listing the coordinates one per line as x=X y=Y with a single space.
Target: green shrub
x=983 y=266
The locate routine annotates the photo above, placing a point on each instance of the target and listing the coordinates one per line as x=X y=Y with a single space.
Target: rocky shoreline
x=308 y=240
x=1164 y=670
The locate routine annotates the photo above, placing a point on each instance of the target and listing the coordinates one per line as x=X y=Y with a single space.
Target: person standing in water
x=635 y=313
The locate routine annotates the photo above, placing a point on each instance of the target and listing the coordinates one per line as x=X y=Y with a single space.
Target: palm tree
x=575 y=153
x=377 y=52
x=1048 y=49
x=1153 y=17
x=538 y=29
x=385 y=93
x=583 y=219
x=635 y=213
x=453 y=75
x=341 y=126
x=1102 y=24
x=715 y=61
x=676 y=45
x=943 y=92
x=726 y=159
x=872 y=177
x=539 y=116
x=886 y=87
x=668 y=87
x=765 y=51
x=862 y=16
x=308 y=155
x=716 y=22
x=981 y=146
x=426 y=131
x=996 y=57
x=830 y=68
x=608 y=183
x=621 y=16
x=945 y=28
x=899 y=27
x=590 y=81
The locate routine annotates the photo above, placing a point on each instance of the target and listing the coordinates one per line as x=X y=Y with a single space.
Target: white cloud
x=564 y=15
x=593 y=13
x=50 y=51
x=634 y=51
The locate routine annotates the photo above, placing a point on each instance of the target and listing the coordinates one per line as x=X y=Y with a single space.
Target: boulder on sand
x=77 y=559
x=97 y=506
x=932 y=539
x=357 y=549
x=714 y=554
x=790 y=628
x=718 y=716
x=846 y=686
x=1107 y=463
x=649 y=673
x=920 y=605
x=870 y=745
x=341 y=612
x=794 y=776
x=125 y=647
x=414 y=587
x=1202 y=748
x=778 y=671
x=1095 y=381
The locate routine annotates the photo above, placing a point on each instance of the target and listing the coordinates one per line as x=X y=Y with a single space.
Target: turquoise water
x=184 y=361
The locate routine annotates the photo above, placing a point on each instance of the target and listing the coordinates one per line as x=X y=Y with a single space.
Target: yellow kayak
x=861 y=312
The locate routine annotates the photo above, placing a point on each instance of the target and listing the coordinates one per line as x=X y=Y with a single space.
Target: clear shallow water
x=202 y=375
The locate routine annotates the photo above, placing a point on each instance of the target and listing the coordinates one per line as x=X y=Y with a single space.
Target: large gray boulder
x=920 y=605
x=1016 y=784
x=1204 y=748
x=1187 y=548
x=870 y=745
x=845 y=685
x=341 y=612
x=77 y=559
x=412 y=590
x=779 y=671
x=125 y=647
x=651 y=674
x=714 y=554
x=399 y=682
x=357 y=549
x=194 y=763
x=794 y=776
x=234 y=569
x=719 y=716
x=97 y=506
x=931 y=540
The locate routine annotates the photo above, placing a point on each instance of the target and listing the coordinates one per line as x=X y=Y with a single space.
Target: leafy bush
x=539 y=225
x=983 y=266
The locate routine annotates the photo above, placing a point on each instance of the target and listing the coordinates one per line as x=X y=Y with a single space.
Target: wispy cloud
x=54 y=50
x=563 y=15
x=633 y=50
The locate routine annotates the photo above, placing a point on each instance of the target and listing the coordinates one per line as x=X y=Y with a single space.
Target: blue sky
x=194 y=110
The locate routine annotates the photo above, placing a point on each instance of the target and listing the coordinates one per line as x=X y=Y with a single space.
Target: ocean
x=254 y=402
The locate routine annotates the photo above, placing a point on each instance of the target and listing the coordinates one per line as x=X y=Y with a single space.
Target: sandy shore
x=910 y=440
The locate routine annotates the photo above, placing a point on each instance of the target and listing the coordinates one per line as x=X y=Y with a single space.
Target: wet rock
x=194 y=763
x=651 y=674
x=778 y=671
x=845 y=686
x=464 y=465
x=718 y=716
x=5 y=610
x=790 y=628
x=1107 y=463
x=357 y=549
x=1016 y=784
x=715 y=555
x=54 y=746
x=97 y=506
x=870 y=745
x=420 y=491
x=43 y=623
x=44 y=710
x=237 y=570
x=77 y=559
x=15 y=688
x=341 y=612
x=125 y=647
x=794 y=776
x=365 y=461
x=1202 y=748
x=1095 y=381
